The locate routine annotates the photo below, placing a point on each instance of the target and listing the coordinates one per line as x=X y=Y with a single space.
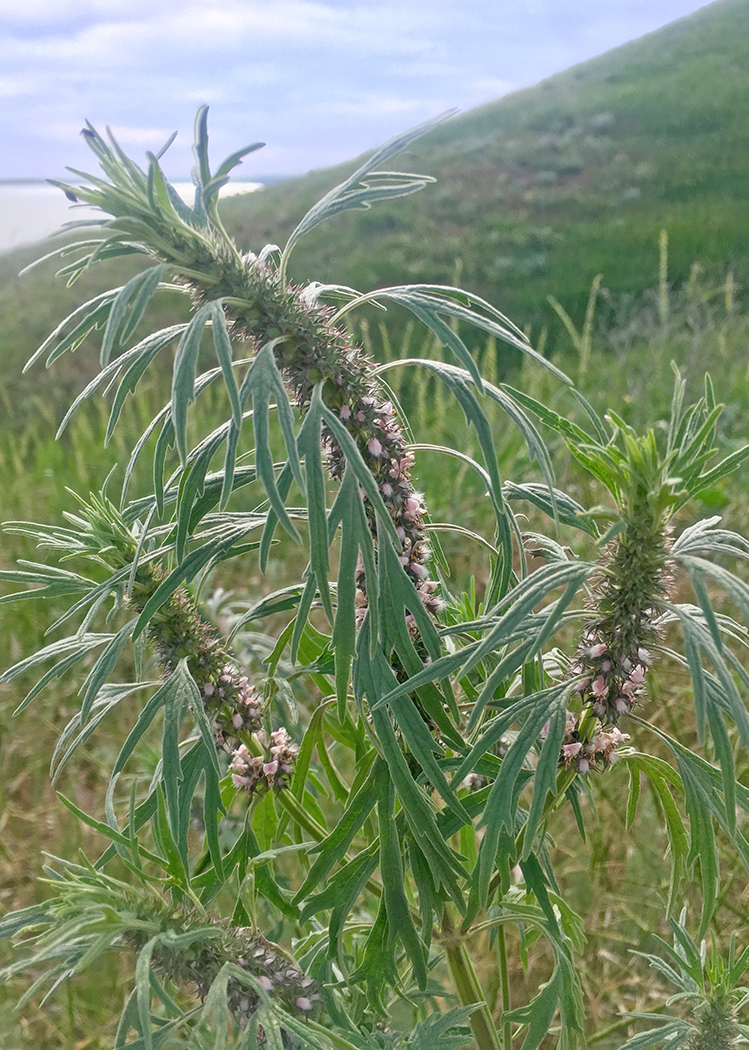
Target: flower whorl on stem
x=312 y=350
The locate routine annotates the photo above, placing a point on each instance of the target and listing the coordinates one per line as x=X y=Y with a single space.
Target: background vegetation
x=536 y=195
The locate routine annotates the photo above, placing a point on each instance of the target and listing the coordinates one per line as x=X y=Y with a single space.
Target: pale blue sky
x=318 y=80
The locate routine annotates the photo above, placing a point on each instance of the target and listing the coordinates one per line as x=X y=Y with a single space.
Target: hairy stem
x=504 y=989
x=468 y=987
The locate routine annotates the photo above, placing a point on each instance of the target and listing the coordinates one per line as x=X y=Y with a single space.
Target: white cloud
x=153 y=138
x=14 y=87
x=319 y=79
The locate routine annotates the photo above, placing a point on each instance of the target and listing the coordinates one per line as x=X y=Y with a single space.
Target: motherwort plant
x=374 y=778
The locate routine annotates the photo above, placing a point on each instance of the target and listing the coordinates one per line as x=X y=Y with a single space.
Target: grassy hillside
x=543 y=189
x=536 y=194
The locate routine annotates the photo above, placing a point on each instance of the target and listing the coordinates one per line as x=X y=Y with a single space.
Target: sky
x=319 y=81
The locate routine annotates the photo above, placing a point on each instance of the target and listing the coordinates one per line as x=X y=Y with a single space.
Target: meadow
x=605 y=212
x=612 y=880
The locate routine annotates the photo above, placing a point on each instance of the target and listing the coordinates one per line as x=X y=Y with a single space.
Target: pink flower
x=413 y=505
x=596 y=650
x=621 y=705
x=374 y=446
x=344 y=412
x=570 y=750
x=280 y=738
x=269 y=768
x=583 y=765
x=599 y=686
x=386 y=489
x=638 y=675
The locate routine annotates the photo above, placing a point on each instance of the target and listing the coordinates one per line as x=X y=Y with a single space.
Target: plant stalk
x=468 y=987
x=504 y=990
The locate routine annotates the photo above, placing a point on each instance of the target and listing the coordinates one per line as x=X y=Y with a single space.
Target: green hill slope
x=536 y=194
x=543 y=189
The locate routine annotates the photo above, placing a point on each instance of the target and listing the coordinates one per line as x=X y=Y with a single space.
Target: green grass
x=534 y=198
x=629 y=369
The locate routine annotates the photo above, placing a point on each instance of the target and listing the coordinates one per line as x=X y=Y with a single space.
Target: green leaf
x=144 y=353
x=364 y=187
x=539 y=1013
x=558 y=504
x=183 y=382
x=663 y=778
x=222 y=346
x=263 y=382
x=633 y=796
x=361 y=470
x=143 y=990
x=102 y=669
x=545 y=779
x=341 y=894
x=73 y=736
x=90 y=315
x=529 y=592
x=420 y=741
x=310 y=448
x=400 y=923
x=344 y=629
x=128 y=308
x=73 y=649
x=212 y=551
x=332 y=849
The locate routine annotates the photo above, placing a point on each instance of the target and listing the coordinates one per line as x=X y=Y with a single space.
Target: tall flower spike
x=627 y=598
x=177 y=630
x=628 y=593
x=260 y=307
x=189 y=947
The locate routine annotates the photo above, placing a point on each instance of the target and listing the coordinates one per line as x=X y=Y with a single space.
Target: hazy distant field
x=32 y=210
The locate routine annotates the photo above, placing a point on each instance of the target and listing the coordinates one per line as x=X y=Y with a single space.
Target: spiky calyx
x=313 y=350
x=587 y=753
x=716 y=1028
x=178 y=632
x=627 y=599
x=196 y=961
x=254 y=773
x=261 y=306
x=233 y=706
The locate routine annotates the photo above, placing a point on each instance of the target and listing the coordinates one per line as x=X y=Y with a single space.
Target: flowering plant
x=375 y=784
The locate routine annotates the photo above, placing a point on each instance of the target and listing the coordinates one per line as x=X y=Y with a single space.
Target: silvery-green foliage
x=374 y=779
x=707 y=984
